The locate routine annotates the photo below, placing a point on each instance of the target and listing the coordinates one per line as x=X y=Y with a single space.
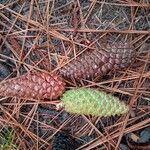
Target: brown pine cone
x=34 y=86
x=99 y=62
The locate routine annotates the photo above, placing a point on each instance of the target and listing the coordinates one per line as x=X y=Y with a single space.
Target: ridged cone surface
x=92 y=102
x=33 y=85
x=99 y=62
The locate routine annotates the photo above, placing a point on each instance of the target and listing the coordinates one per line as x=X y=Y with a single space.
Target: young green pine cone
x=99 y=62
x=86 y=101
x=34 y=85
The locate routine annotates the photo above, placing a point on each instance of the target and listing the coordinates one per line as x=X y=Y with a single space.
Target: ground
x=45 y=36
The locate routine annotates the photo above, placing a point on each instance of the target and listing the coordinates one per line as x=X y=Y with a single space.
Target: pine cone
x=34 y=85
x=64 y=141
x=86 y=101
x=99 y=62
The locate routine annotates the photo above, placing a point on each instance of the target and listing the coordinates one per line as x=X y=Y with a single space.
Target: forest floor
x=44 y=36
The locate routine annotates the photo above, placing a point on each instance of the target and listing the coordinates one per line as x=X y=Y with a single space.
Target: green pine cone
x=93 y=102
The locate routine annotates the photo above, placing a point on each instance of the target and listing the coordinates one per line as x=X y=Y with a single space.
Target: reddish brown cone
x=34 y=85
x=99 y=62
